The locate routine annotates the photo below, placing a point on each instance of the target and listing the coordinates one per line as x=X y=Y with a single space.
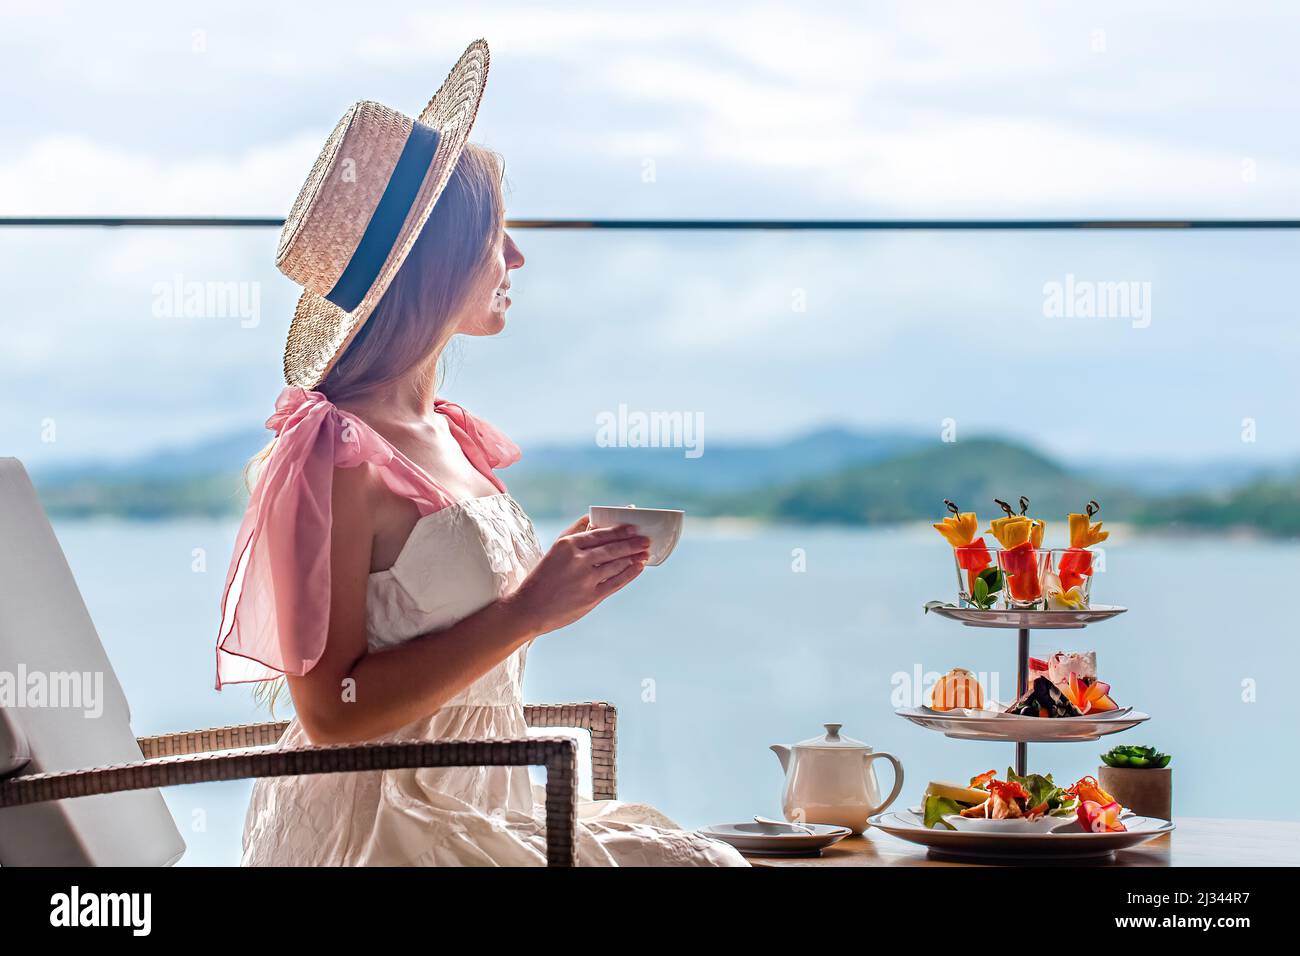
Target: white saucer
x=766 y=839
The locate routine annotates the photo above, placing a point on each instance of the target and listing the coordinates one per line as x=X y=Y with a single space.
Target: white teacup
x=662 y=526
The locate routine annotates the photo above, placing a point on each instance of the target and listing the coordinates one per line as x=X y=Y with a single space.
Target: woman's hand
x=582 y=568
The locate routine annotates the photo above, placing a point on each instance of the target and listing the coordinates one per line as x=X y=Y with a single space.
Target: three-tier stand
x=1020 y=733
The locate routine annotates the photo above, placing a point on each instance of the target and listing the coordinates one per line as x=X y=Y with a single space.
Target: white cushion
x=14 y=752
x=82 y=720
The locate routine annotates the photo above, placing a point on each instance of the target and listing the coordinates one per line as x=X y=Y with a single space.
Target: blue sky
x=752 y=110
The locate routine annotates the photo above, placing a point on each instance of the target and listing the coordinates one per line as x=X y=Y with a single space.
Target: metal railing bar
x=269 y=222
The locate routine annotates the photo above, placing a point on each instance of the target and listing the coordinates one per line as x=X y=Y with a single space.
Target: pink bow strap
x=275 y=608
x=477 y=436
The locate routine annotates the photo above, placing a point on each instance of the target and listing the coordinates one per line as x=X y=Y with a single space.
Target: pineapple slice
x=1084 y=533
x=959 y=529
x=1012 y=530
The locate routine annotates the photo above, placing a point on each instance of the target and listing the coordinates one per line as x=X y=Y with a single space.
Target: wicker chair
x=194 y=757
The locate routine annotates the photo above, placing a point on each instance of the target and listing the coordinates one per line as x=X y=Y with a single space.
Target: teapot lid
x=833 y=740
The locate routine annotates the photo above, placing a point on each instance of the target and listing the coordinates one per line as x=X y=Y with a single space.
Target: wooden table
x=1197 y=841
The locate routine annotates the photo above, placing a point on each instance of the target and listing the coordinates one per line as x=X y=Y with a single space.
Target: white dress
x=455 y=561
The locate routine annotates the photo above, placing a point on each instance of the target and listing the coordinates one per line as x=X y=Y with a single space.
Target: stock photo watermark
x=913 y=689
x=76 y=908
x=182 y=298
x=626 y=428
x=65 y=690
x=1088 y=299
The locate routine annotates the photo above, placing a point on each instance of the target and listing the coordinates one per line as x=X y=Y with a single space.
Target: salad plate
x=958 y=822
x=1034 y=619
x=1006 y=727
x=1064 y=842
x=771 y=839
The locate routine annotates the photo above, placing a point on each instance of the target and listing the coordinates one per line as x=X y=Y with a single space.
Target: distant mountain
x=203 y=477
x=1168 y=477
x=912 y=486
x=833 y=475
x=147 y=499
x=721 y=467
x=1269 y=504
x=221 y=454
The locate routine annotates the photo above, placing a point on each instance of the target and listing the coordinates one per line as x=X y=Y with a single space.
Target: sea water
x=749 y=636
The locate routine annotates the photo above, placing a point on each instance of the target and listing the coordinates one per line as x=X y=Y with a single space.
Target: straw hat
x=369 y=193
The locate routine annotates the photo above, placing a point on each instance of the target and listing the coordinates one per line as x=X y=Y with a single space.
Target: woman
x=381 y=567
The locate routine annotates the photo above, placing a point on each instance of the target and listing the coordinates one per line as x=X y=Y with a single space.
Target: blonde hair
x=414 y=320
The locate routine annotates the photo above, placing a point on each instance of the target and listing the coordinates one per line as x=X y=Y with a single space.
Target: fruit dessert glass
x=979 y=579
x=1021 y=557
x=1069 y=582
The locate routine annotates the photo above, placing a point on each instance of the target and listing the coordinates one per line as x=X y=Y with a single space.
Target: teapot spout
x=783 y=754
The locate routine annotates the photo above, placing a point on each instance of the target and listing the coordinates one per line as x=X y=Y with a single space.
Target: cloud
x=895 y=109
x=74 y=175
x=925 y=161
x=837 y=111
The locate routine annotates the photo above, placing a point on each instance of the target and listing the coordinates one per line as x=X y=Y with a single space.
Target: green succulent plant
x=1142 y=758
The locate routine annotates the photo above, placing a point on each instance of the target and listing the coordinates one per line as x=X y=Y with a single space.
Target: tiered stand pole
x=1022 y=686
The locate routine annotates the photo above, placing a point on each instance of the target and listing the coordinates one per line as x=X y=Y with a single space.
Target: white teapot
x=829 y=779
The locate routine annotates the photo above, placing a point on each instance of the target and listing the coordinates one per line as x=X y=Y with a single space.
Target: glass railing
x=809 y=396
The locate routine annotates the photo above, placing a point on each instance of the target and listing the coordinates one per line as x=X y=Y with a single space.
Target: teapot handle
x=898 y=778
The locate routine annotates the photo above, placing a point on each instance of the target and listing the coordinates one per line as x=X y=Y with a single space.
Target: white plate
x=1001 y=714
x=1037 y=620
x=765 y=839
x=1117 y=714
x=1062 y=843
x=1024 y=730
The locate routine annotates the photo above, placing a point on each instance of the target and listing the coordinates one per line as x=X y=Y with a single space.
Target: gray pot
x=1145 y=791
